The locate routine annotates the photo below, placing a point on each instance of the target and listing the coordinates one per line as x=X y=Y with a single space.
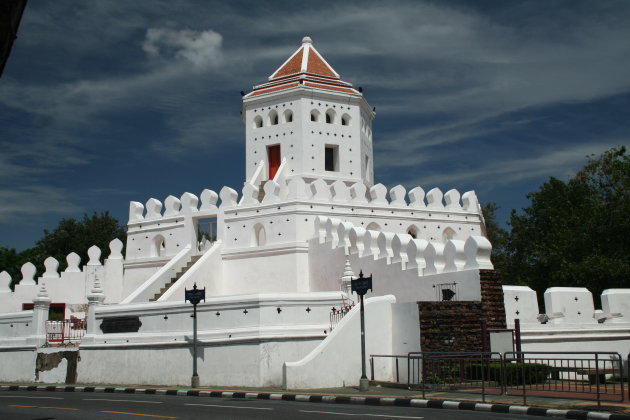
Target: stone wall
x=456 y=325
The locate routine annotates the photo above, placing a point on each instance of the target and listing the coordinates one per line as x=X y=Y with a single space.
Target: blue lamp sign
x=360 y=286
x=195 y=296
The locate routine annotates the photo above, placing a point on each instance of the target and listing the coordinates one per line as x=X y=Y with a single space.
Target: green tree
x=575 y=233
x=496 y=234
x=70 y=235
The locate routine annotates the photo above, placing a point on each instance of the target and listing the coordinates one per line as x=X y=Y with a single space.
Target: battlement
x=70 y=286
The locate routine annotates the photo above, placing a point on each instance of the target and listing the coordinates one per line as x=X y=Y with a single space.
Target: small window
x=258 y=235
x=315 y=115
x=331 y=158
x=273 y=118
x=258 y=121
x=345 y=119
x=330 y=116
x=373 y=226
x=288 y=116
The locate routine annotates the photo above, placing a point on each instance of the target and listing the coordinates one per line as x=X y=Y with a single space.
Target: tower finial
x=307 y=40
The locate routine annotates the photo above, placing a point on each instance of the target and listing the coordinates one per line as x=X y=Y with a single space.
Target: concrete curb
x=402 y=402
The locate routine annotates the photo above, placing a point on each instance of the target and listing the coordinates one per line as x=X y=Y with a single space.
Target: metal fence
x=65 y=331
x=336 y=315
x=597 y=376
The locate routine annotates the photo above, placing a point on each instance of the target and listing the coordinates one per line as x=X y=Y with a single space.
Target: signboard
x=361 y=285
x=195 y=295
x=120 y=324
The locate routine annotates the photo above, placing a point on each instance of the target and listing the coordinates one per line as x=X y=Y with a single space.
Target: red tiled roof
x=304 y=67
x=292 y=66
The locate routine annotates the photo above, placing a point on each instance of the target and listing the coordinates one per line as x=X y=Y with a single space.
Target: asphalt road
x=15 y=405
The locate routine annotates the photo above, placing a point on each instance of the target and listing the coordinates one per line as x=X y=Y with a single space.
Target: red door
x=273 y=156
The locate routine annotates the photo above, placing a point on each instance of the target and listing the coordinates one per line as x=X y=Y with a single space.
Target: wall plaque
x=120 y=324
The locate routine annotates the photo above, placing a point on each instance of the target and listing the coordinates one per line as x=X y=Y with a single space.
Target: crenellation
x=189 y=203
x=434 y=258
x=229 y=197
x=478 y=250
x=416 y=198
x=272 y=192
x=73 y=261
x=250 y=195
x=451 y=198
x=52 y=267
x=5 y=282
x=358 y=193
x=378 y=195
x=434 y=199
x=28 y=274
x=153 y=209
x=94 y=254
x=172 y=206
x=397 y=195
x=340 y=192
x=135 y=211
x=384 y=243
x=454 y=256
x=415 y=255
x=208 y=200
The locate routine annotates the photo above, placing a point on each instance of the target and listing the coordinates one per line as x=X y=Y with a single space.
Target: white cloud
x=200 y=48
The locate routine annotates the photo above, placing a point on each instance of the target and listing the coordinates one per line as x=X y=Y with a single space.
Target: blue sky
x=106 y=102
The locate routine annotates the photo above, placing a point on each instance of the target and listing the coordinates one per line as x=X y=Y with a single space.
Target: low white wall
x=254 y=364
x=17 y=364
x=336 y=361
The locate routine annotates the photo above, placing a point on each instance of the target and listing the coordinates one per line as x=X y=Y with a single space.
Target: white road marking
x=37 y=398
x=231 y=406
x=361 y=414
x=137 y=401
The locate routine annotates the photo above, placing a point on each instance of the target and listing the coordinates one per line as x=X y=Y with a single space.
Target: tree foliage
x=70 y=235
x=574 y=233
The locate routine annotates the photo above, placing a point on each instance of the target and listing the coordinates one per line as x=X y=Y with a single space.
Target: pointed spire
x=346 y=279
x=43 y=292
x=305 y=60
x=305 y=68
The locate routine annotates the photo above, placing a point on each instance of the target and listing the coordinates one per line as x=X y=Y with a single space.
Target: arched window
x=374 y=226
x=315 y=115
x=345 y=119
x=273 y=118
x=448 y=234
x=288 y=116
x=158 y=247
x=412 y=231
x=259 y=238
x=330 y=116
x=258 y=121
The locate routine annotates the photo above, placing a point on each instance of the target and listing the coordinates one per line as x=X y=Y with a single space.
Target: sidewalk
x=376 y=395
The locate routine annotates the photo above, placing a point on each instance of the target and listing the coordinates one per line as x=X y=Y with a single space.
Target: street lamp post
x=195 y=296
x=360 y=286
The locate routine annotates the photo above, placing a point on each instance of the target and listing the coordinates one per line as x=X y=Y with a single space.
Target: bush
x=515 y=373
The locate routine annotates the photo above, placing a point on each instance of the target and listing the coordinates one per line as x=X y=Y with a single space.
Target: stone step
x=261 y=190
x=173 y=280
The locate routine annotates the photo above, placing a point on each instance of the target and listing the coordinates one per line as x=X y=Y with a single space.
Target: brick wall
x=456 y=325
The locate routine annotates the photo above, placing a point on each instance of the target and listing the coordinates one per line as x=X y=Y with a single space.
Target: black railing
x=597 y=376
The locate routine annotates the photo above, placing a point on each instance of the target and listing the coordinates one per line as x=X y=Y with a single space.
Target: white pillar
x=41 y=306
x=95 y=298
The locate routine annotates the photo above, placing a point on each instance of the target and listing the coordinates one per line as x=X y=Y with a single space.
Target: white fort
x=276 y=261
